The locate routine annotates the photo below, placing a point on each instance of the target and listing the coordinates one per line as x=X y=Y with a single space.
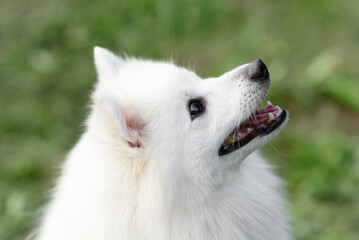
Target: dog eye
x=195 y=108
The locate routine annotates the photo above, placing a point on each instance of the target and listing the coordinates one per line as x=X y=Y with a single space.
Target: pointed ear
x=125 y=118
x=106 y=62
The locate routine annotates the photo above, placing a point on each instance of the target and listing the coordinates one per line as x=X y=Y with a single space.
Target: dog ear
x=124 y=116
x=107 y=63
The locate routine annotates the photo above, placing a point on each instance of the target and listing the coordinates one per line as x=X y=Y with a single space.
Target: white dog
x=168 y=155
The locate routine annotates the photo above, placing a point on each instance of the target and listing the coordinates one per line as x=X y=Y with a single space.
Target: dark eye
x=195 y=108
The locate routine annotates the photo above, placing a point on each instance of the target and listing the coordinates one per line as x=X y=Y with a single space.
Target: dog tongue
x=262 y=115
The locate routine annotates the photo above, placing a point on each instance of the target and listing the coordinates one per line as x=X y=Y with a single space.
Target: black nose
x=258 y=71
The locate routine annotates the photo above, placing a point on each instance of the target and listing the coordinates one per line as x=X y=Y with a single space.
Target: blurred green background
x=310 y=47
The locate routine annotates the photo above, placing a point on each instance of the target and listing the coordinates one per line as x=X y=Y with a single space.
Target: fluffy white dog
x=168 y=155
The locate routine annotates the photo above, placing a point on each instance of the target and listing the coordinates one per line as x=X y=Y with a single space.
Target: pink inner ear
x=129 y=122
x=134 y=145
x=134 y=126
x=125 y=116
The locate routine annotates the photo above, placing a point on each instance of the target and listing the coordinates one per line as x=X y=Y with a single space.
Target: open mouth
x=260 y=123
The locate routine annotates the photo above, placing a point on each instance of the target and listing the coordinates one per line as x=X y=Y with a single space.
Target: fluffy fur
x=144 y=170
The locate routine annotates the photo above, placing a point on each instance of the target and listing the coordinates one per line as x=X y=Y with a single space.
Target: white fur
x=144 y=170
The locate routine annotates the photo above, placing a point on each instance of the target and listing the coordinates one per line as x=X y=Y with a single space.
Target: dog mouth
x=262 y=122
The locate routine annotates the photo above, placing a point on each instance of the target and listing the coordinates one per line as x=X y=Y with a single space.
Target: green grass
x=310 y=47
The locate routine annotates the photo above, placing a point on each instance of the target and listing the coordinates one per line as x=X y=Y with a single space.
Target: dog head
x=194 y=131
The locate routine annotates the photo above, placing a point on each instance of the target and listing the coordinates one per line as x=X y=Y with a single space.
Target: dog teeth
x=271 y=116
x=249 y=130
x=229 y=140
x=233 y=138
x=269 y=103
